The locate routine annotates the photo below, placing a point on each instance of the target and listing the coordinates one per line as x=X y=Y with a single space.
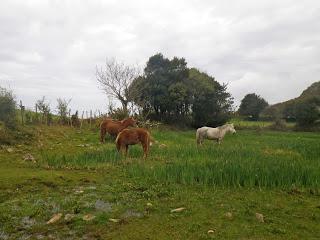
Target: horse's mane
x=224 y=126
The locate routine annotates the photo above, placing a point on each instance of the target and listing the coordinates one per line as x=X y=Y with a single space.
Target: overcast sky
x=51 y=48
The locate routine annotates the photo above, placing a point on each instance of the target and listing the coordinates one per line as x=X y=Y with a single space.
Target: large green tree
x=252 y=105
x=172 y=91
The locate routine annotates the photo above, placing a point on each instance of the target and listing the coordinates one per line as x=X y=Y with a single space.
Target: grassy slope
x=73 y=171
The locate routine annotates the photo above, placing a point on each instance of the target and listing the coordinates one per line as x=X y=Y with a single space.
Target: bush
x=307 y=113
x=7 y=108
x=118 y=113
x=17 y=135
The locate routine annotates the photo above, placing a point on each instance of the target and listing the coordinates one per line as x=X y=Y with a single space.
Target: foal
x=131 y=137
x=114 y=127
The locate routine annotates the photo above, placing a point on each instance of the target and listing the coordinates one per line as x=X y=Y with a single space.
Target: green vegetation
x=252 y=105
x=170 y=92
x=221 y=187
x=7 y=108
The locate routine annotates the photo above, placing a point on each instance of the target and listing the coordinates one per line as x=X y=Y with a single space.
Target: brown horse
x=131 y=137
x=114 y=127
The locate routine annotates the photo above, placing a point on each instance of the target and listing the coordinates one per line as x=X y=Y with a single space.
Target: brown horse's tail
x=148 y=142
x=103 y=132
x=118 y=143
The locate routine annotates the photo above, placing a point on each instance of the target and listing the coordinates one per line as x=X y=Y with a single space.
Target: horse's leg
x=127 y=146
x=145 y=149
x=102 y=134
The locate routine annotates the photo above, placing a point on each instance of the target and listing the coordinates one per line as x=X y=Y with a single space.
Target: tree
x=115 y=79
x=7 y=108
x=174 y=93
x=44 y=109
x=163 y=87
x=252 y=105
x=307 y=112
x=211 y=101
x=62 y=108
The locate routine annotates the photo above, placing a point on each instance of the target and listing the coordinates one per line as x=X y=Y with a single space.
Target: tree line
x=168 y=91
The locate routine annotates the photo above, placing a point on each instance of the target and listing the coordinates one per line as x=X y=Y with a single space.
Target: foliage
x=252 y=105
x=211 y=101
x=171 y=92
x=44 y=109
x=118 y=113
x=62 y=108
x=7 y=108
x=308 y=112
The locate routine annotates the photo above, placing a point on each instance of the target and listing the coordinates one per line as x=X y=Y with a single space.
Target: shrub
x=308 y=112
x=7 y=108
x=118 y=113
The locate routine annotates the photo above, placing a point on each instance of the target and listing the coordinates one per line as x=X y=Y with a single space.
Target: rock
x=68 y=217
x=78 y=191
x=55 y=218
x=29 y=157
x=211 y=231
x=114 y=220
x=9 y=150
x=103 y=206
x=260 y=217
x=131 y=213
x=27 y=222
x=177 y=210
x=228 y=215
x=88 y=217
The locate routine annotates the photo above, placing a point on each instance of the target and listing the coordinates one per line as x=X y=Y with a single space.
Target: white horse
x=213 y=133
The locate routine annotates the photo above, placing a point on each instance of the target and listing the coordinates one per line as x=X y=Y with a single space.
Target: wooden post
x=90 y=117
x=81 y=119
x=70 y=120
x=22 y=108
x=37 y=112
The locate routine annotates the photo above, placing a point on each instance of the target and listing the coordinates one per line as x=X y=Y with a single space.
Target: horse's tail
x=148 y=142
x=198 y=136
x=103 y=132
x=118 y=144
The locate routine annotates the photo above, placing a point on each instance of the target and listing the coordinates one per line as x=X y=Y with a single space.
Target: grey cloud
x=52 y=47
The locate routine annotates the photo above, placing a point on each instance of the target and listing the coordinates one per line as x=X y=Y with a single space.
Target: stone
x=177 y=210
x=260 y=217
x=29 y=157
x=56 y=217
x=88 y=217
x=103 y=206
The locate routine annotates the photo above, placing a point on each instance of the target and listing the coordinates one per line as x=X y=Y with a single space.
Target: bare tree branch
x=115 y=79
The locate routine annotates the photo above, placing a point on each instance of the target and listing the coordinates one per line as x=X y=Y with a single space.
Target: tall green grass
x=248 y=158
x=83 y=160
x=271 y=159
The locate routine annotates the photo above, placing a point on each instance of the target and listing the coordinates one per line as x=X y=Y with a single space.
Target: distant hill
x=312 y=91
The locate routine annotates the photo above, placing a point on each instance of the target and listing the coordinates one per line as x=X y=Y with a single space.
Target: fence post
x=22 y=108
x=90 y=117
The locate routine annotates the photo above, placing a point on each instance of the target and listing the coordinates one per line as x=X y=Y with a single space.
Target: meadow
x=221 y=188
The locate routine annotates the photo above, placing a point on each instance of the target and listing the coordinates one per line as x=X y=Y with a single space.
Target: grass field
x=222 y=187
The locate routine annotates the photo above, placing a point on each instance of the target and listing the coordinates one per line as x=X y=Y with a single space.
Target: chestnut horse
x=131 y=137
x=114 y=127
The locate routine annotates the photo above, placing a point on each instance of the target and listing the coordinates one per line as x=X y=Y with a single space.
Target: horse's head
x=231 y=128
x=130 y=122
